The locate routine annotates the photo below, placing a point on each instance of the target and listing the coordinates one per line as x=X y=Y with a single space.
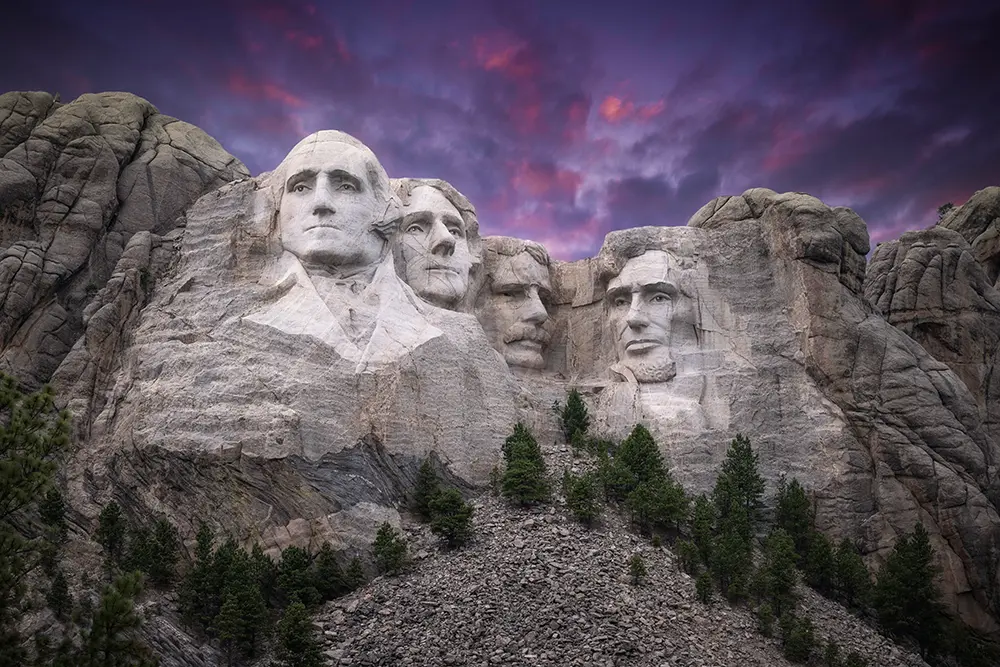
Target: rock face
x=282 y=362
x=77 y=181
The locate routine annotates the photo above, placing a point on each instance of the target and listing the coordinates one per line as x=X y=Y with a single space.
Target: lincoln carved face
x=640 y=303
x=331 y=203
x=433 y=247
x=511 y=307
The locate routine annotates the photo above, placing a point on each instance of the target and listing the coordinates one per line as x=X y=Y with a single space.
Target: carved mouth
x=642 y=345
x=443 y=269
x=527 y=344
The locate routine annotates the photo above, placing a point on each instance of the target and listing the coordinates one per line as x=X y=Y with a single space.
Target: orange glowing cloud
x=503 y=54
x=540 y=179
x=614 y=109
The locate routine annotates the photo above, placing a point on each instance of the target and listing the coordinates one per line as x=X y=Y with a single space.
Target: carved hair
x=639 y=242
x=496 y=247
x=375 y=175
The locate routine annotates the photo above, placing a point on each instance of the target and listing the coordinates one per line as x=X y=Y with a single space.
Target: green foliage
x=739 y=487
x=776 y=576
x=426 y=488
x=243 y=618
x=58 y=598
x=820 y=566
x=52 y=511
x=390 y=549
x=944 y=209
x=640 y=455
x=198 y=601
x=112 y=529
x=703 y=587
x=656 y=542
x=163 y=564
x=906 y=598
x=636 y=569
x=295 y=578
x=703 y=520
x=523 y=480
x=794 y=514
x=32 y=435
x=616 y=477
x=732 y=554
x=355 y=574
x=658 y=503
x=331 y=582
x=797 y=637
x=687 y=553
x=854 y=659
x=968 y=648
x=765 y=620
x=851 y=581
x=582 y=496
x=831 y=654
x=575 y=419
x=298 y=645
x=451 y=518
x=111 y=639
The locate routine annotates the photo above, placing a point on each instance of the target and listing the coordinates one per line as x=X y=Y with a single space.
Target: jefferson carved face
x=433 y=247
x=328 y=205
x=512 y=311
x=640 y=303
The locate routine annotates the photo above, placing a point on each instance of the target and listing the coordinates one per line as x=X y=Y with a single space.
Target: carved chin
x=652 y=370
x=524 y=354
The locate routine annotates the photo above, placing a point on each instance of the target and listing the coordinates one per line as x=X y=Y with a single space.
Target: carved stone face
x=640 y=303
x=433 y=247
x=513 y=311
x=328 y=207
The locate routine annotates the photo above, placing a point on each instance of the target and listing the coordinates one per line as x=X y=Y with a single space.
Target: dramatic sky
x=564 y=120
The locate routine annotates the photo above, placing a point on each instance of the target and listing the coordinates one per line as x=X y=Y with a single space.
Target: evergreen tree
x=739 y=486
x=166 y=552
x=617 y=479
x=242 y=621
x=794 y=515
x=266 y=572
x=140 y=550
x=703 y=587
x=330 y=579
x=452 y=518
x=687 y=554
x=111 y=639
x=297 y=642
x=389 y=548
x=906 y=598
x=355 y=574
x=636 y=569
x=295 y=579
x=640 y=455
x=58 y=598
x=852 y=581
x=798 y=637
x=52 y=510
x=732 y=553
x=196 y=596
x=703 y=519
x=575 y=419
x=426 y=489
x=658 y=503
x=521 y=444
x=776 y=577
x=32 y=435
x=581 y=493
x=111 y=533
x=523 y=481
x=820 y=565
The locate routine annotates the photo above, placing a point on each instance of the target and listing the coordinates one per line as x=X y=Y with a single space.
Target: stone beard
x=640 y=304
x=432 y=248
x=511 y=307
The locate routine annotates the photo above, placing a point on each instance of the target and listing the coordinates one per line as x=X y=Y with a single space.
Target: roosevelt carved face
x=512 y=310
x=433 y=248
x=640 y=304
x=328 y=206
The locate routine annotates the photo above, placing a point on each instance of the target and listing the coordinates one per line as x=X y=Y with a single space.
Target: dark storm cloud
x=561 y=122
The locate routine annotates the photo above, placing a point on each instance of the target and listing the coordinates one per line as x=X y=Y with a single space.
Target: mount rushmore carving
x=282 y=351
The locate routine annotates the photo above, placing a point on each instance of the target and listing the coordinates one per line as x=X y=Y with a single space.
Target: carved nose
x=442 y=242
x=636 y=317
x=535 y=312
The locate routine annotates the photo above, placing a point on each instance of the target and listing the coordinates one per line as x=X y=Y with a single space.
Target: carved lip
x=641 y=345
x=527 y=343
x=448 y=269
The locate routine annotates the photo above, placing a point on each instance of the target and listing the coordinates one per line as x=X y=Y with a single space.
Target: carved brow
x=666 y=288
x=344 y=176
x=622 y=291
x=416 y=216
x=299 y=177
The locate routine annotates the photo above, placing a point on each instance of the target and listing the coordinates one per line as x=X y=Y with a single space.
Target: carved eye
x=414 y=228
x=300 y=187
x=346 y=186
x=660 y=298
x=510 y=293
x=620 y=301
x=456 y=232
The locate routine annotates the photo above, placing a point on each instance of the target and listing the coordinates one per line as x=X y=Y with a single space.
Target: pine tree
x=687 y=554
x=798 y=637
x=581 y=493
x=330 y=579
x=732 y=553
x=703 y=520
x=523 y=481
x=297 y=642
x=111 y=533
x=58 y=598
x=776 y=577
x=794 y=514
x=906 y=598
x=196 y=595
x=111 y=639
x=640 y=455
x=166 y=552
x=140 y=550
x=243 y=618
x=452 y=518
x=820 y=565
x=295 y=580
x=636 y=569
x=266 y=572
x=575 y=419
x=355 y=574
x=739 y=486
x=32 y=435
x=52 y=510
x=852 y=581
x=390 y=549
x=426 y=489
x=703 y=587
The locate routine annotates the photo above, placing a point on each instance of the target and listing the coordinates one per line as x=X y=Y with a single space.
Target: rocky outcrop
x=978 y=221
x=77 y=181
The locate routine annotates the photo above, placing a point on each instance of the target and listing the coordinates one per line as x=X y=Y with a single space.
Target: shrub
x=582 y=496
x=855 y=660
x=636 y=569
x=765 y=620
x=831 y=654
x=451 y=517
x=798 y=638
x=390 y=549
